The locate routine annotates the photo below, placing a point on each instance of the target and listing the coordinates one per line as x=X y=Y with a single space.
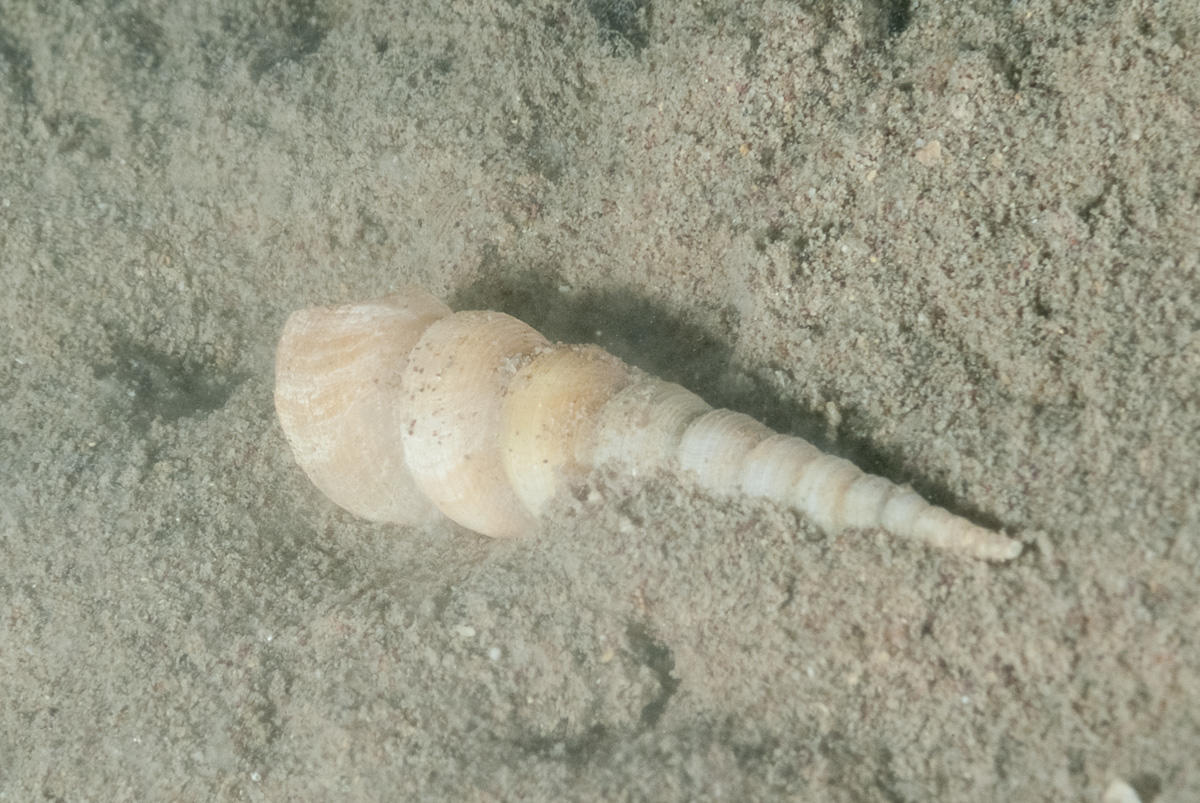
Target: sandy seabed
x=959 y=242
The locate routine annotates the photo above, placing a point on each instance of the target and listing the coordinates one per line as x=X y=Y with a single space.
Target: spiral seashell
x=398 y=408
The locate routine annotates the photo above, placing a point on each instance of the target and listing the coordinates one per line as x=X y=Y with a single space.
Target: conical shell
x=453 y=396
x=338 y=374
x=491 y=421
x=908 y=514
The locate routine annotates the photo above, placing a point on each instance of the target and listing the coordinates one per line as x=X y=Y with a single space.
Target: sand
x=959 y=242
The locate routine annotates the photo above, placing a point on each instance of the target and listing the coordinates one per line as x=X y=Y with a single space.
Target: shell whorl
x=454 y=386
x=549 y=418
x=397 y=407
x=337 y=376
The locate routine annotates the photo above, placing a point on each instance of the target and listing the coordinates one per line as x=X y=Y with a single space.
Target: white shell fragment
x=398 y=408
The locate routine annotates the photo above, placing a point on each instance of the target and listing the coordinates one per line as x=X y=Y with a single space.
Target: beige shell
x=395 y=404
x=453 y=394
x=549 y=413
x=337 y=379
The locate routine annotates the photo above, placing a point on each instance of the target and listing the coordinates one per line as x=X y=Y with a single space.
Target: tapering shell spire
x=398 y=408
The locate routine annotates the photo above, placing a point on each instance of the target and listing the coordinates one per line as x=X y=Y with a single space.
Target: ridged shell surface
x=338 y=373
x=550 y=415
x=714 y=446
x=641 y=426
x=454 y=385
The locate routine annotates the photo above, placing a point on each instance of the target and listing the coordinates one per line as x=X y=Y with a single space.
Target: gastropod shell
x=400 y=410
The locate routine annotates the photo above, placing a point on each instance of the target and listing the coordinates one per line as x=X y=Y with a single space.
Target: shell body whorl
x=477 y=415
x=337 y=375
